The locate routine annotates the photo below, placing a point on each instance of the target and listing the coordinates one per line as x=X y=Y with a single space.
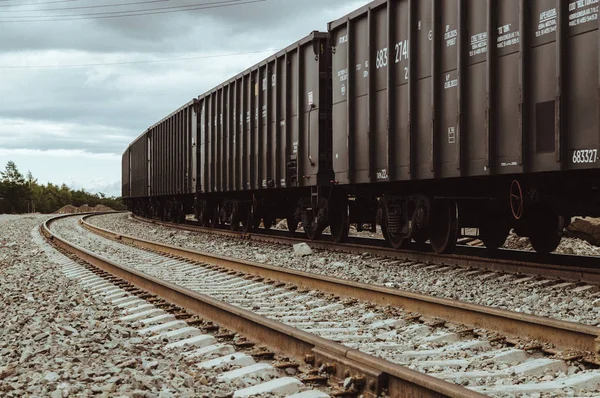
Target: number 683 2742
x=585 y=156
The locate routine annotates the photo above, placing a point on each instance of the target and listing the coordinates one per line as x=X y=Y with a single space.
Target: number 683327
x=585 y=156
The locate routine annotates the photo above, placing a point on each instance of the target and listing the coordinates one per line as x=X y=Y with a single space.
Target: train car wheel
x=202 y=217
x=214 y=220
x=443 y=226
x=544 y=242
x=420 y=233
x=494 y=228
x=235 y=217
x=392 y=224
x=268 y=222
x=180 y=215
x=381 y=220
x=394 y=237
x=256 y=218
x=201 y=214
x=314 y=217
x=396 y=241
x=311 y=225
x=339 y=220
x=547 y=233
x=247 y=219
x=292 y=223
x=493 y=236
x=313 y=231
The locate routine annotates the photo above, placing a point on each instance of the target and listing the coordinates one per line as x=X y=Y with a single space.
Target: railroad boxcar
x=257 y=147
x=265 y=141
x=172 y=147
x=125 y=175
x=162 y=167
x=135 y=173
x=466 y=113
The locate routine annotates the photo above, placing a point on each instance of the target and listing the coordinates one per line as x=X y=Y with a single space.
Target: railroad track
x=559 y=266
x=402 y=337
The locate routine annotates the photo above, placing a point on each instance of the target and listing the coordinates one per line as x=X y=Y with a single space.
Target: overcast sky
x=71 y=124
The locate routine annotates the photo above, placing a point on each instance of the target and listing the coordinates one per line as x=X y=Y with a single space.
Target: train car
x=466 y=113
x=125 y=175
x=257 y=147
x=172 y=148
x=426 y=117
x=265 y=141
x=159 y=167
x=135 y=173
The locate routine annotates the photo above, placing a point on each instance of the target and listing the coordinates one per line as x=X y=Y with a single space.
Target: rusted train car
x=425 y=116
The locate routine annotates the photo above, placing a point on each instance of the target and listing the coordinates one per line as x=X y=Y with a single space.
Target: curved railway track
x=378 y=374
x=560 y=266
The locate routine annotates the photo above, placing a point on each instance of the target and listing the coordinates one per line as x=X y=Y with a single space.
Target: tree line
x=23 y=194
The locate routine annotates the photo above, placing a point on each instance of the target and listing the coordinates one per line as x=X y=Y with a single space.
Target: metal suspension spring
x=304 y=218
x=393 y=221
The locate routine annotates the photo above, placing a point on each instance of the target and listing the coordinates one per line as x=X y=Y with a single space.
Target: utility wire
x=35 y=4
x=94 y=6
x=121 y=14
x=93 y=14
x=131 y=62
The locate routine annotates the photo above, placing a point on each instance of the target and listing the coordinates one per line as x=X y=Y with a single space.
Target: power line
x=86 y=7
x=121 y=14
x=35 y=4
x=125 y=11
x=131 y=62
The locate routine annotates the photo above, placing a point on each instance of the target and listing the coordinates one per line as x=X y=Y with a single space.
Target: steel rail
x=377 y=375
x=548 y=266
x=562 y=334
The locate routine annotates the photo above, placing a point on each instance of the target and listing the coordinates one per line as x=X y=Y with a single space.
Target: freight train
x=421 y=116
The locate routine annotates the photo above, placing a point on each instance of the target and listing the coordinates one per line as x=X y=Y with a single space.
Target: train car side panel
x=139 y=171
x=480 y=88
x=125 y=175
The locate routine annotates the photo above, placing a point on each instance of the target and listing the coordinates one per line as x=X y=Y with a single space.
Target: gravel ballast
x=495 y=291
x=57 y=340
x=438 y=352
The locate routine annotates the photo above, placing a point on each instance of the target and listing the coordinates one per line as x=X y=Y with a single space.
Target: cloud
x=278 y=21
x=96 y=110
x=28 y=136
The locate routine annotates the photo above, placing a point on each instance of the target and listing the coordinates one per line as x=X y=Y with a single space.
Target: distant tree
x=15 y=190
x=31 y=184
x=30 y=180
x=19 y=194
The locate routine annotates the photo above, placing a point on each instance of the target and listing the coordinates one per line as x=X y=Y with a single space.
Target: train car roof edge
x=333 y=25
x=315 y=34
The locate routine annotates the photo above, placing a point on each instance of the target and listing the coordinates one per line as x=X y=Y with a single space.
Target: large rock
x=586 y=228
x=302 y=249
